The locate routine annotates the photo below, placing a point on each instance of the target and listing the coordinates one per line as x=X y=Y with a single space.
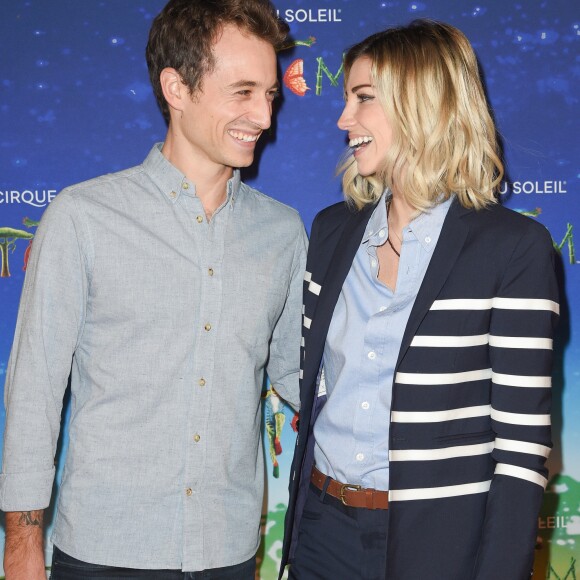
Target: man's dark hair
x=183 y=35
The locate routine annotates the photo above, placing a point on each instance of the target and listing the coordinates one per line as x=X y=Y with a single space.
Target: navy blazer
x=470 y=415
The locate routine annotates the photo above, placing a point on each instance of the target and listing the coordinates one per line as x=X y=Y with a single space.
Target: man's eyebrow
x=242 y=83
x=250 y=84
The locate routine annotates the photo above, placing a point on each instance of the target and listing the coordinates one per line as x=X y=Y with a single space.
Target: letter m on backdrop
x=323 y=69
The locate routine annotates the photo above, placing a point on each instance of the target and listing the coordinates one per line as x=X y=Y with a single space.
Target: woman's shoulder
x=500 y=227
x=335 y=212
x=499 y=217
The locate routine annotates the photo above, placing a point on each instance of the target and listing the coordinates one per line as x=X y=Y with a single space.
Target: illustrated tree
x=8 y=237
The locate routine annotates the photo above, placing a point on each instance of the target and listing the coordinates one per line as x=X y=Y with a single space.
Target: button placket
x=207 y=254
x=210 y=242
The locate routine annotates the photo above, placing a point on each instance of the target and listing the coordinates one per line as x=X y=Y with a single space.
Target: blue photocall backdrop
x=76 y=103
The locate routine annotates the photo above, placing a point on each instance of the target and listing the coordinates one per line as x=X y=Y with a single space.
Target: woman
x=428 y=316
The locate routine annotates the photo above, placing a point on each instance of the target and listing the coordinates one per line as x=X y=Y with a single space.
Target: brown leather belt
x=351 y=495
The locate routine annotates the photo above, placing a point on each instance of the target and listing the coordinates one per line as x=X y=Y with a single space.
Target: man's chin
x=246 y=162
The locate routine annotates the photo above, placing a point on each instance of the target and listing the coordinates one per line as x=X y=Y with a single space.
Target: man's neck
x=210 y=179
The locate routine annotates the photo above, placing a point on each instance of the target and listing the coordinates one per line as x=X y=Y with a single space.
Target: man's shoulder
x=269 y=206
x=103 y=193
x=99 y=186
x=75 y=202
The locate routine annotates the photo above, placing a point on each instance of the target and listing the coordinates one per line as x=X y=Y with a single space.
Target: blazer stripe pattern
x=470 y=415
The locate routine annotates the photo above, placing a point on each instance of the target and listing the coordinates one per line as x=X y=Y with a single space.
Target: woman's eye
x=363 y=97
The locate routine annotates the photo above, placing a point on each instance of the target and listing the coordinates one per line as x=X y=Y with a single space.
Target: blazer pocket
x=478 y=437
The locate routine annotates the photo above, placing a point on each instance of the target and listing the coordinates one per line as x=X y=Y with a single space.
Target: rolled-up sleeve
x=50 y=322
x=284 y=364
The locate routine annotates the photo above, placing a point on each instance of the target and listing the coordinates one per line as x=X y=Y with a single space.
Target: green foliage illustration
x=8 y=238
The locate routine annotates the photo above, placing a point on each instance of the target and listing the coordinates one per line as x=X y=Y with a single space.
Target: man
x=171 y=288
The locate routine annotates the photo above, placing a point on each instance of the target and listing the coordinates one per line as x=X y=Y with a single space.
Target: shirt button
x=189 y=492
x=382 y=308
x=186 y=185
x=199 y=219
x=382 y=234
x=196 y=438
x=360 y=456
x=365 y=405
x=373 y=263
x=208 y=327
x=427 y=240
x=210 y=271
x=372 y=355
x=172 y=194
x=201 y=382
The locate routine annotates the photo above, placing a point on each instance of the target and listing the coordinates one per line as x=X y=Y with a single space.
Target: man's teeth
x=359 y=141
x=243 y=136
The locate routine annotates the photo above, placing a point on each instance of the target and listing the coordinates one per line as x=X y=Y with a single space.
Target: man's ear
x=174 y=90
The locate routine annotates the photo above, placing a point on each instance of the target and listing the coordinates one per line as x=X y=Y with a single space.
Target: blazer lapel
x=449 y=245
x=340 y=264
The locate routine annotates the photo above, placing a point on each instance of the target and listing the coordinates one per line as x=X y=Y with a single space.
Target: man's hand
x=24 y=553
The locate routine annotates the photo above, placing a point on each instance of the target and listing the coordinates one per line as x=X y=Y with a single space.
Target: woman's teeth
x=355 y=143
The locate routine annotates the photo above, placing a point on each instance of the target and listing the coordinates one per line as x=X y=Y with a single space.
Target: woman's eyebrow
x=355 y=89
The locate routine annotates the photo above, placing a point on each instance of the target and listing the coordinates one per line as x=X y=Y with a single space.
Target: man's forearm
x=24 y=553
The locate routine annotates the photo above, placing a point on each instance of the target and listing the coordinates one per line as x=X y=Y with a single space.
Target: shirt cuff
x=21 y=492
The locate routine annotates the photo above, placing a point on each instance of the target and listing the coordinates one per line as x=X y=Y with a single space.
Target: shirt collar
x=378 y=220
x=426 y=227
x=172 y=183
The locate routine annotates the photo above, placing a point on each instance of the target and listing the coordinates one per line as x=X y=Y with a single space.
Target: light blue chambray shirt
x=361 y=350
x=170 y=323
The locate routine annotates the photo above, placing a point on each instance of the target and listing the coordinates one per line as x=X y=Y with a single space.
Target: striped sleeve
x=520 y=339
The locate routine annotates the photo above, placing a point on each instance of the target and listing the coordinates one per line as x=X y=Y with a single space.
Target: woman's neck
x=400 y=214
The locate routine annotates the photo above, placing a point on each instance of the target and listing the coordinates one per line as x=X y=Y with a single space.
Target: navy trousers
x=336 y=542
x=65 y=567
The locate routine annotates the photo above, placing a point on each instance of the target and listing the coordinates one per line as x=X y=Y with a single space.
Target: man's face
x=222 y=122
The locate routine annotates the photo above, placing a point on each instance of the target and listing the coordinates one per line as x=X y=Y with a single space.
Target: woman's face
x=369 y=131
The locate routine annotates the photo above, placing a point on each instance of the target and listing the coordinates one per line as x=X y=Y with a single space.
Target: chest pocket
x=259 y=301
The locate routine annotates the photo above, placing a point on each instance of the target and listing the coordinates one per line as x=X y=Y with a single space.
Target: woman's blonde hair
x=444 y=139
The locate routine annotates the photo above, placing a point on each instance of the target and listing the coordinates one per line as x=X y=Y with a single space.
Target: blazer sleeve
x=521 y=329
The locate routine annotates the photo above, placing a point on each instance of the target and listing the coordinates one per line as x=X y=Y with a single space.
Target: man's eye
x=272 y=95
x=245 y=92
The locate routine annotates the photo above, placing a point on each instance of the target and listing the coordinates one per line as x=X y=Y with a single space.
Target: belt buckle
x=347 y=486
